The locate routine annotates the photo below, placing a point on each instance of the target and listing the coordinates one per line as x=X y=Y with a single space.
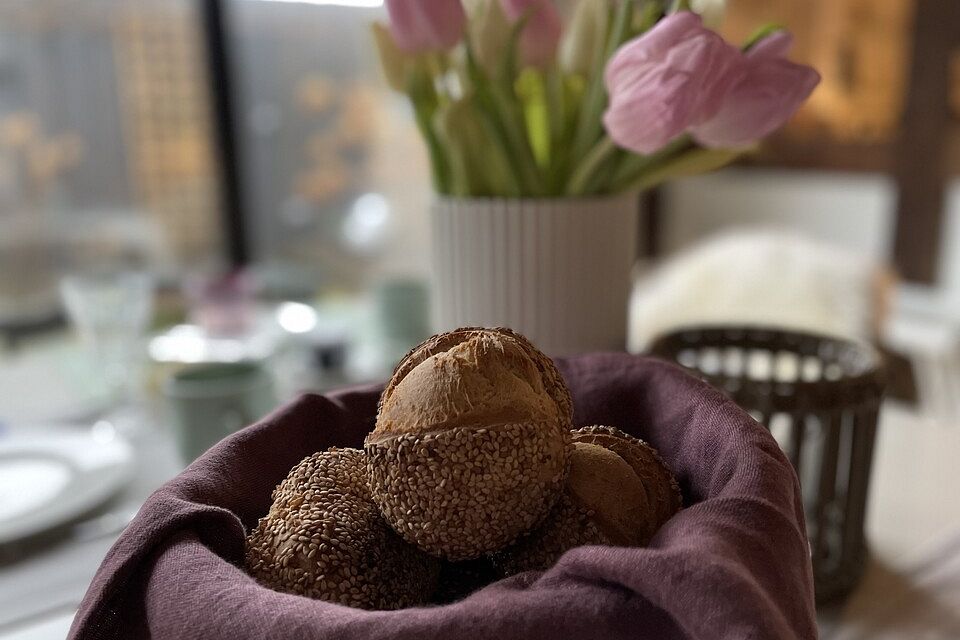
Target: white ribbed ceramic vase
x=556 y=270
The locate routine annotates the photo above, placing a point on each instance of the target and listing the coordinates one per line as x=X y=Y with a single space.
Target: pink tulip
x=418 y=26
x=541 y=32
x=765 y=97
x=675 y=75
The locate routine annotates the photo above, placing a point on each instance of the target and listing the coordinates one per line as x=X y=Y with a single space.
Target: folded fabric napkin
x=733 y=564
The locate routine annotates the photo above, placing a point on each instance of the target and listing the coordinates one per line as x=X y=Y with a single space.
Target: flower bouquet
x=541 y=133
x=512 y=103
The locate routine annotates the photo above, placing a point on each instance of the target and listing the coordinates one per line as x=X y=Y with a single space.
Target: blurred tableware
x=401 y=318
x=328 y=354
x=190 y=344
x=28 y=284
x=402 y=312
x=110 y=311
x=317 y=345
x=211 y=401
x=49 y=477
x=329 y=357
x=50 y=383
x=221 y=304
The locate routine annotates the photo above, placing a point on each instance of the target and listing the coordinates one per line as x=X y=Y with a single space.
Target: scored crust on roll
x=472 y=443
x=551 y=379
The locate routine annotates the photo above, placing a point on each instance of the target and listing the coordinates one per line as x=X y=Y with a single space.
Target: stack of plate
x=52 y=476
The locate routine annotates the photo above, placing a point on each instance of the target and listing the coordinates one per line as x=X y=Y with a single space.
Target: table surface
x=911 y=588
x=44 y=580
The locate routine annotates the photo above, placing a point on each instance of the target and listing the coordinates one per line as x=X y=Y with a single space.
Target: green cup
x=211 y=401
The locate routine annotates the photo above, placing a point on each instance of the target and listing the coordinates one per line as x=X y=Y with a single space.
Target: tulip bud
x=392 y=60
x=541 y=31
x=489 y=32
x=584 y=40
x=420 y=26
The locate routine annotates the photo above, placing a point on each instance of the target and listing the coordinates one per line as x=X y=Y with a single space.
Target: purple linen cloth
x=733 y=564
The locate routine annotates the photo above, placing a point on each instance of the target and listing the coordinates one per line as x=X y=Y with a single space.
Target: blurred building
x=106 y=153
x=330 y=165
x=163 y=88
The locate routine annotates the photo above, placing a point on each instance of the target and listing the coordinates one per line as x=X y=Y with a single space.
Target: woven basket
x=820 y=397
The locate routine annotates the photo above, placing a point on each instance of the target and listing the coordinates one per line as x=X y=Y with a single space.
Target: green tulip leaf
x=762 y=32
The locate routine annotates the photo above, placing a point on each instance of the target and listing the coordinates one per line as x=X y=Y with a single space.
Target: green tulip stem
x=686 y=162
x=423 y=96
x=500 y=103
x=634 y=166
x=589 y=125
x=557 y=117
x=586 y=171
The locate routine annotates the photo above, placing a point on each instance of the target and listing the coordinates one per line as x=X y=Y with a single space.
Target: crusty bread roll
x=618 y=492
x=663 y=492
x=602 y=482
x=324 y=538
x=472 y=445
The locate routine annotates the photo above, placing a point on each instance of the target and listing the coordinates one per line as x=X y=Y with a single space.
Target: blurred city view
x=109 y=150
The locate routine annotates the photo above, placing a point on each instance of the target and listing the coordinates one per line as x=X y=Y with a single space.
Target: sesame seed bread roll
x=603 y=483
x=663 y=492
x=472 y=443
x=618 y=492
x=567 y=526
x=324 y=538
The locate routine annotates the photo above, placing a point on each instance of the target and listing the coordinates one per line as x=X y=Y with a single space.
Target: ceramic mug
x=211 y=401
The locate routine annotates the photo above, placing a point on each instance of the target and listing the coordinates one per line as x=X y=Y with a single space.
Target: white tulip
x=584 y=40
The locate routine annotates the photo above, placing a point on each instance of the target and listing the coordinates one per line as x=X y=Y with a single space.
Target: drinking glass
x=111 y=311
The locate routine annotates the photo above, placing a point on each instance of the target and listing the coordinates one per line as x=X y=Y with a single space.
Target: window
x=334 y=177
x=105 y=146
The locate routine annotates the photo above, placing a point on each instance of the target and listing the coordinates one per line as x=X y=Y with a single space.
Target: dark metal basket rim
x=871 y=377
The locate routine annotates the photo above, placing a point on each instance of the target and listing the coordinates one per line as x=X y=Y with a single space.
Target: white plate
x=49 y=477
x=49 y=383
